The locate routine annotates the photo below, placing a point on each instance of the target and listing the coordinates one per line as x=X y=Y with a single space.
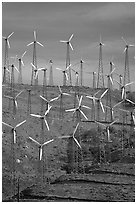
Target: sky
x=55 y=21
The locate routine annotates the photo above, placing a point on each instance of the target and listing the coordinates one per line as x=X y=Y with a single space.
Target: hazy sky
x=55 y=21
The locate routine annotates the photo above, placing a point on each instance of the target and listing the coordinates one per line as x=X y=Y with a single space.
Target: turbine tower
x=100 y=79
x=126 y=79
x=69 y=45
x=6 y=58
x=81 y=72
x=51 y=74
x=20 y=67
x=34 y=81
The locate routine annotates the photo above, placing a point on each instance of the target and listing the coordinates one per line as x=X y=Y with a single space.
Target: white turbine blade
x=113 y=122
x=34 y=35
x=9 y=97
x=100 y=123
x=65 y=136
x=112 y=71
x=66 y=76
x=131 y=45
x=90 y=97
x=104 y=93
x=46 y=124
x=66 y=94
x=34 y=141
x=71 y=37
x=23 y=54
x=34 y=115
x=129 y=83
x=83 y=114
x=54 y=99
x=33 y=65
x=125 y=49
x=8 y=43
x=40 y=44
x=124 y=40
x=20 y=124
x=111 y=80
x=118 y=103
x=75 y=129
x=36 y=74
x=71 y=46
x=22 y=62
x=86 y=107
x=7 y=125
x=77 y=142
x=69 y=110
x=101 y=104
x=118 y=82
x=14 y=136
x=19 y=93
x=96 y=93
x=123 y=92
x=48 y=142
x=3 y=37
x=60 y=89
x=10 y=35
x=16 y=104
x=108 y=133
x=30 y=44
x=68 y=66
x=43 y=98
x=47 y=111
x=80 y=101
x=16 y=68
x=123 y=110
x=59 y=69
x=40 y=153
x=130 y=101
x=64 y=41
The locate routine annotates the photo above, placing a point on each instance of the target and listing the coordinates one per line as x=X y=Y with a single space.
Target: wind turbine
x=65 y=74
x=78 y=108
x=36 y=70
x=34 y=56
x=100 y=79
x=15 y=104
x=43 y=117
x=13 y=129
x=123 y=88
x=72 y=136
x=41 y=146
x=126 y=79
x=107 y=127
x=69 y=45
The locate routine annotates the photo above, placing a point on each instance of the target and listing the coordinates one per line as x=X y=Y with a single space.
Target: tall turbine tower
x=51 y=74
x=100 y=79
x=69 y=45
x=81 y=72
x=126 y=79
x=6 y=60
x=20 y=67
x=34 y=58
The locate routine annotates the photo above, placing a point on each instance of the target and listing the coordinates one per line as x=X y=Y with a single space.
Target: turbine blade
x=83 y=114
x=14 y=136
x=113 y=122
x=124 y=40
x=101 y=104
x=34 y=35
x=112 y=71
x=22 y=62
x=23 y=54
x=8 y=43
x=66 y=94
x=9 y=97
x=77 y=142
x=33 y=66
x=96 y=93
x=125 y=49
x=131 y=45
x=19 y=93
x=86 y=107
x=60 y=90
x=40 y=44
x=71 y=37
x=118 y=103
x=10 y=35
x=111 y=80
x=64 y=41
x=40 y=153
x=46 y=124
x=54 y=99
x=66 y=136
x=34 y=115
x=80 y=101
x=66 y=76
x=123 y=92
x=34 y=141
x=48 y=142
x=75 y=129
x=44 y=98
x=69 y=110
x=104 y=93
x=130 y=101
x=16 y=104
x=30 y=44
x=108 y=133
x=71 y=46
x=129 y=83
x=20 y=124
x=59 y=69
x=118 y=82
x=7 y=125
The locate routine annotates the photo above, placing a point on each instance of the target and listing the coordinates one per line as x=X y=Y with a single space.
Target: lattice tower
x=100 y=79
